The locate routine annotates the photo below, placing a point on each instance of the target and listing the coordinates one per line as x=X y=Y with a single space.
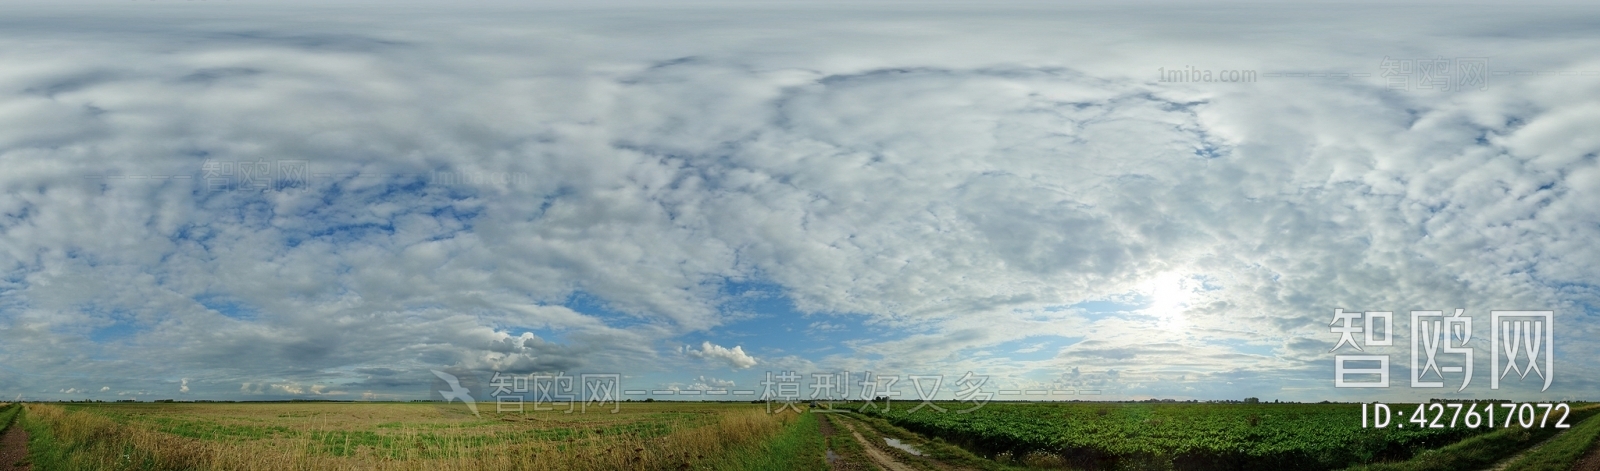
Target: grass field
x=409 y=436
x=736 y=436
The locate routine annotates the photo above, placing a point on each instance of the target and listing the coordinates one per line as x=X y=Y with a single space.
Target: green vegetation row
x=1487 y=449
x=1561 y=452
x=8 y=414
x=1305 y=437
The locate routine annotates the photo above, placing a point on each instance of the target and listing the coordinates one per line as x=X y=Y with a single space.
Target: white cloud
x=704 y=383
x=734 y=357
x=821 y=327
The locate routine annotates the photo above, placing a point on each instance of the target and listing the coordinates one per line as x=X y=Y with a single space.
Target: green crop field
x=738 y=436
x=1180 y=436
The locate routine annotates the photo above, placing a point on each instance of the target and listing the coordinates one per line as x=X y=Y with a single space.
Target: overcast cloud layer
x=692 y=196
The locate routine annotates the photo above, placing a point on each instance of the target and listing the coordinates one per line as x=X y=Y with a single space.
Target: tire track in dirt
x=879 y=457
x=14 y=448
x=836 y=461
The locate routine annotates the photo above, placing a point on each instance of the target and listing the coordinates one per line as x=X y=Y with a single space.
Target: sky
x=241 y=200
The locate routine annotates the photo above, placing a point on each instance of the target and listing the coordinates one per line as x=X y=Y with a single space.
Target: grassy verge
x=1563 y=451
x=8 y=413
x=57 y=441
x=1480 y=451
x=798 y=446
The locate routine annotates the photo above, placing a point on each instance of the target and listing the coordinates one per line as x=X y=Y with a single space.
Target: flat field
x=739 y=436
x=1199 y=436
x=248 y=436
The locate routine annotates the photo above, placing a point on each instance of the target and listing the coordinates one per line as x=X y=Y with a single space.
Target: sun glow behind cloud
x=1169 y=295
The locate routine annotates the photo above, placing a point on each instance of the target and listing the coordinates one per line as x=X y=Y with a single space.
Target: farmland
x=1180 y=436
x=737 y=436
x=407 y=436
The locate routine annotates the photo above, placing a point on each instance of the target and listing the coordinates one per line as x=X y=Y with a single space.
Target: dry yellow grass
x=351 y=436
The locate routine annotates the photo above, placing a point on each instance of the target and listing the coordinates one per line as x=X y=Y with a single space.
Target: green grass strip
x=44 y=452
x=798 y=446
x=1477 y=452
x=1562 y=451
x=7 y=414
x=8 y=417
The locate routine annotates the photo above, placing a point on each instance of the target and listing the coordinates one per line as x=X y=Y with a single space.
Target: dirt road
x=14 y=449
x=879 y=457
